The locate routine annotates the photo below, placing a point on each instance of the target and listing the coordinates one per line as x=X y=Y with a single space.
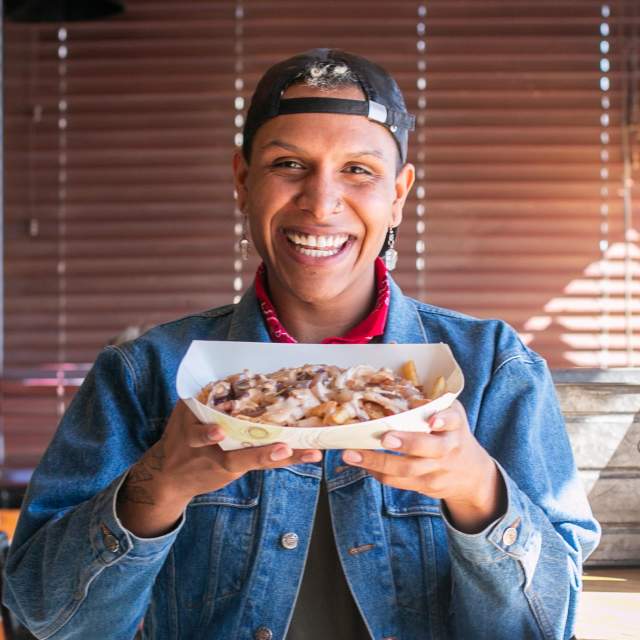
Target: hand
x=448 y=463
x=185 y=462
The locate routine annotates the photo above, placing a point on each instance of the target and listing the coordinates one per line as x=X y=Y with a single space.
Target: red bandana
x=373 y=325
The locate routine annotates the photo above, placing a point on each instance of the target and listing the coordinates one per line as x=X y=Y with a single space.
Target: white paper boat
x=206 y=361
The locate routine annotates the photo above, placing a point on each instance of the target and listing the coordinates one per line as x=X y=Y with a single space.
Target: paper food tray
x=206 y=361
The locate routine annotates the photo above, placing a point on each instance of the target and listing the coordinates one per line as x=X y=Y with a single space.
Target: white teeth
x=317 y=253
x=321 y=242
x=336 y=241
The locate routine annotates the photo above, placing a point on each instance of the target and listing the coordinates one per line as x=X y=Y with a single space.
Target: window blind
x=523 y=164
x=119 y=208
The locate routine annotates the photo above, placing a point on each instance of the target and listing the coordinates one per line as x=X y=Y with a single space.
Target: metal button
x=110 y=541
x=509 y=536
x=289 y=540
x=263 y=633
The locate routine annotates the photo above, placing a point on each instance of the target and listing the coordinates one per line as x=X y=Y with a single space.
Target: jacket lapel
x=403 y=322
x=247 y=323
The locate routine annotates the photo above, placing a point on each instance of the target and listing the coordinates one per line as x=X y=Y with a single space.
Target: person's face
x=321 y=191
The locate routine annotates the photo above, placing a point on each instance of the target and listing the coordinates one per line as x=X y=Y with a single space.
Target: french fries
x=331 y=412
x=322 y=409
x=341 y=415
x=437 y=389
x=321 y=395
x=408 y=372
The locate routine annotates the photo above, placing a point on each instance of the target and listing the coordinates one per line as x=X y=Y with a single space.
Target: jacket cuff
x=112 y=541
x=512 y=535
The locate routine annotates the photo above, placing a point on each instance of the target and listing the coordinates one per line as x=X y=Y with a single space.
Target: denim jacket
x=225 y=572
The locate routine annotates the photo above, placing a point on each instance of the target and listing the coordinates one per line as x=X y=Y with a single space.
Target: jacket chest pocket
x=419 y=552
x=212 y=554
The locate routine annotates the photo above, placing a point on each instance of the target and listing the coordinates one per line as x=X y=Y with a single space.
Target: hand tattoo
x=157 y=456
x=132 y=493
x=139 y=473
x=133 y=489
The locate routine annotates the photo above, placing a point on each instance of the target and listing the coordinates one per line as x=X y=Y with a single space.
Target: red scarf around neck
x=373 y=325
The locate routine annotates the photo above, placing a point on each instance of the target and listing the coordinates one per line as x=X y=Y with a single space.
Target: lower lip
x=315 y=260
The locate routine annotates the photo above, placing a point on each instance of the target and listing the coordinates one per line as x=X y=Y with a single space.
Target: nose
x=320 y=194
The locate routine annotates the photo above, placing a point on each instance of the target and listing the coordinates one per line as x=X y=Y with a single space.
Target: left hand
x=448 y=463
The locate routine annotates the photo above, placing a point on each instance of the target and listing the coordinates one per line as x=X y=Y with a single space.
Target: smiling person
x=477 y=529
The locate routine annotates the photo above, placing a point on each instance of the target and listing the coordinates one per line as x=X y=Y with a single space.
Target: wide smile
x=310 y=247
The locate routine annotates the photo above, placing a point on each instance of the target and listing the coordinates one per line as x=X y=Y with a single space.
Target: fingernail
x=438 y=423
x=352 y=457
x=391 y=442
x=215 y=435
x=279 y=454
x=311 y=457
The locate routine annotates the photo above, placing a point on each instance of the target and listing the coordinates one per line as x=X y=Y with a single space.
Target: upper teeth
x=317 y=241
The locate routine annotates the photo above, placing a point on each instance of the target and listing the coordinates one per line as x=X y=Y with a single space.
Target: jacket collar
x=403 y=322
x=247 y=323
x=404 y=325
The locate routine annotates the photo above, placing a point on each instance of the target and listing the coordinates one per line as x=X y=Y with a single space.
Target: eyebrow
x=292 y=147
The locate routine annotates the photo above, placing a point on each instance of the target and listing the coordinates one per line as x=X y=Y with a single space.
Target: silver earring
x=391 y=255
x=244 y=240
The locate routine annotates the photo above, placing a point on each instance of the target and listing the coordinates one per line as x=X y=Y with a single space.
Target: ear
x=240 y=173
x=404 y=181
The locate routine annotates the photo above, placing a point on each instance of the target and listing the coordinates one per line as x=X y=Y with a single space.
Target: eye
x=358 y=170
x=287 y=164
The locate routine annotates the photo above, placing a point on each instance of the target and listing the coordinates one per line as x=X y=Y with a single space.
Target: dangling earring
x=244 y=240
x=391 y=255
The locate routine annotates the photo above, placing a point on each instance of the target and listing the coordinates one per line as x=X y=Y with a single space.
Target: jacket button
x=110 y=541
x=289 y=540
x=509 y=536
x=263 y=633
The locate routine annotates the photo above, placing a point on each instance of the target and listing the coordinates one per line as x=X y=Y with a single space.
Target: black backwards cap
x=383 y=104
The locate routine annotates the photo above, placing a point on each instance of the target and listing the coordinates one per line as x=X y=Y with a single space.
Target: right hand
x=185 y=462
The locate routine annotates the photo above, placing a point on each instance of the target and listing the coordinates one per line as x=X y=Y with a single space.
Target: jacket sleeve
x=521 y=577
x=74 y=571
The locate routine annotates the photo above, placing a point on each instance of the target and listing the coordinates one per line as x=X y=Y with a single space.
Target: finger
x=177 y=412
x=433 y=484
x=421 y=445
x=311 y=455
x=447 y=420
x=184 y=424
x=182 y=420
x=266 y=457
x=194 y=432
x=399 y=482
x=197 y=434
x=298 y=456
x=389 y=464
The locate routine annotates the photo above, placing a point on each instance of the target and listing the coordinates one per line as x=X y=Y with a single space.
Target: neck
x=312 y=322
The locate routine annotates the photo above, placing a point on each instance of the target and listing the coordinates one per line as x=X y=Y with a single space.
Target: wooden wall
x=602 y=410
